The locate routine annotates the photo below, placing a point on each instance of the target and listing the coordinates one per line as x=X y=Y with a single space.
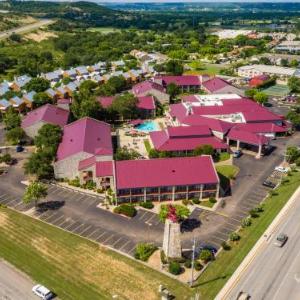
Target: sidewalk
x=258 y=247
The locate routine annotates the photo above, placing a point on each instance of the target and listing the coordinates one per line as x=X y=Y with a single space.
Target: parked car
x=243 y=296
x=42 y=292
x=237 y=153
x=281 y=240
x=19 y=148
x=282 y=169
x=211 y=248
x=269 y=184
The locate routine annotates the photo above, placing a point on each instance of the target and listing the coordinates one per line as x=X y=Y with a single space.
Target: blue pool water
x=147 y=126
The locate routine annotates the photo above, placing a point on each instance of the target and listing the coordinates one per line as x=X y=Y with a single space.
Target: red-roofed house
x=257 y=81
x=149 y=88
x=218 y=85
x=46 y=114
x=187 y=83
x=82 y=139
x=183 y=140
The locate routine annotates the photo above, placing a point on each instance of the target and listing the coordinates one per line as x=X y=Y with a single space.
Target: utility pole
x=193 y=263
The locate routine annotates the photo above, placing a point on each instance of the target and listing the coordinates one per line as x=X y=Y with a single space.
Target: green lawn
x=207 y=204
x=217 y=274
x=210 y=69
x=147 y=145
x=75 y=268
x=103 y=29
x=223 y=156
x=229 y=171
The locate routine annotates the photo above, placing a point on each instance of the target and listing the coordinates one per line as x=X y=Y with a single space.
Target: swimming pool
x=147 y=126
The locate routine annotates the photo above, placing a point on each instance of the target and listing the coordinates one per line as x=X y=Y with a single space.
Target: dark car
x=237 y=153
x=19 y=148
x=211 y=248
x=269 y=184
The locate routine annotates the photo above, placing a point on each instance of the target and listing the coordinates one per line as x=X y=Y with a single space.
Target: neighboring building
x=146 y=106
x=4 y=88
x=232 y=34
x=64 y=103
x=20 y=82
x=17 y=103
x=4 y=105
x=51 y=93
x=183 y=140
x=187 y=83
x=161 y=179
x=282 y=73
x=53 y=77
x=259 y=80
x=83 y=140
x=28 y=98
x=82 y=70
x=288 y=46
x=217 y=85
x=46 y=114
x=149 y=88
x=70 y=73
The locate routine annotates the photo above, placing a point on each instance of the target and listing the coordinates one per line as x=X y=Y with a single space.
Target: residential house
x=4 y=105
x=17 y=103
x=46 y=114
x=217 y=85
x=4 y=88
x=20 y=82
x=28 y=99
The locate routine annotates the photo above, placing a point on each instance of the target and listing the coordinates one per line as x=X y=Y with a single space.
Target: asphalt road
x=14 y=285
x=26 y=28
x=275 y=273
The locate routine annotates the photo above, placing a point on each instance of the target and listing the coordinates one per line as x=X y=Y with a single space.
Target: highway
x=26 y=28
x=14 y=285
x=274 y=274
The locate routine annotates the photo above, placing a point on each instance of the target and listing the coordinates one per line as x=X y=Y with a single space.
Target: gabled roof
x=85 y=135
x=188 y=131
x=247 y=137
x=47 y=113
x=215 y=84
x=104 y=168
x=22 y=80
x=165 y=172
x=144 y=87
x=4 y=103
x=183 y=80
x=16 y=101
x=146 y=102
x=29 y=96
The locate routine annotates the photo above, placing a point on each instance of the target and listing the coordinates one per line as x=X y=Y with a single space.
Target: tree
x=292 y=153
x=15 y=37
x=126 y=106
x=173 y=90
x=203 y=150
x=49 y=137
x=37 y=84
x=126 y=154
x=11 y=119
x=251 y=93
x=40 y=164
x=153 y=153
x=40 y=99
x=293 y=117
x=34 y=192
x=182 y=212
x=87 y=87
x=206 y=255
x=174 y=67
x=294 y=84
x=294 y=63
x=261 y=98
x=15 y=135
x=117 y=82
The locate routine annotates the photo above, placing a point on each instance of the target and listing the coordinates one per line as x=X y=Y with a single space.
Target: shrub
x=163 y=257
x=198 y=266
x=75 y=182
x=174 y=268
x=188 y=264
x=147 y=204
x=143 y=251
x=246 y=222
x=126 y=210
x=234 y=237
x=196 y=201
x=253 y=213
x=206 y=255
x=273 y=193
x=90 y=185
x=225 y=246
x=259 y=209
x=6 y=158
x=185 y=202
x=212 y=200
x=285 y=180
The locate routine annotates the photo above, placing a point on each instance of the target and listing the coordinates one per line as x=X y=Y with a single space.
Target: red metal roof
x=104 y=168
x=215 y=84
x=144 y=87
x=188 y=131
x=183 y=80
x=247 y=137
x=47 y=113
x=146 y=102
x=86 y=163
x=165 y=172
x=261 y=127
x=85 y=135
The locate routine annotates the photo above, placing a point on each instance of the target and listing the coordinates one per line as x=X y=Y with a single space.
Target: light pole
x=193 y=262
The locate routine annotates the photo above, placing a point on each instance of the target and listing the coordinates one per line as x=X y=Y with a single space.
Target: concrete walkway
x=258 y=248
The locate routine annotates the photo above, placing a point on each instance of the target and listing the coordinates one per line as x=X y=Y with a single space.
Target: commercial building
x=161 y=179
x=288 y=46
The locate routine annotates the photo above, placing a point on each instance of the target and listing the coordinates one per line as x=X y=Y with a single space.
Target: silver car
x=281 y=240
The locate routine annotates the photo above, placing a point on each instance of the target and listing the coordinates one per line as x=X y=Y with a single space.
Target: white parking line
x=79 y=198
x=91 y=234
x=3 y=196
x=108 y=238
x=215 y=237
x=141 y=217
x=52 y=188
x=63 y=221
x=54 y=221
x=98 y=237
x=49 y=217
x=150 y=219
x=10 y=201
x=124 y=245
x=131 y=249
x=84 y=230
x=67 y=228
x=77 y=227
x=117 y=241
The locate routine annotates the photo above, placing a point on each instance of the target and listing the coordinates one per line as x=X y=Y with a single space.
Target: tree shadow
x=188 y=225
x=211 y=280
x=50 y=205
